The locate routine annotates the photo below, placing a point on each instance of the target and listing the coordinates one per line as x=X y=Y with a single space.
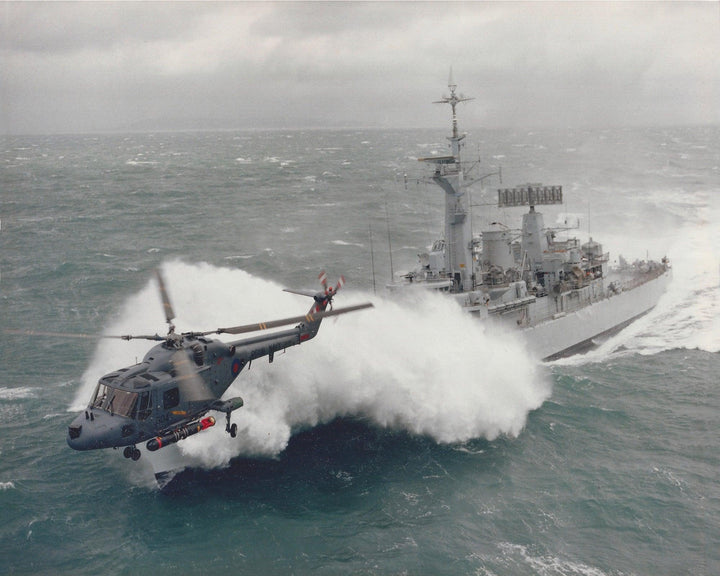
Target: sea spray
x=420 y=365
x=688 y=314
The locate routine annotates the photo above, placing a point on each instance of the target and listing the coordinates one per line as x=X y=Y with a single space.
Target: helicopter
x=166 y=397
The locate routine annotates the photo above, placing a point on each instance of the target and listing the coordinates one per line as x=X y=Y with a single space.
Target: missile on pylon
x=179 y=434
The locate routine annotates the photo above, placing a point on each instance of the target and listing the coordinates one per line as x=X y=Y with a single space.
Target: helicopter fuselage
x=163 y=399
x=162 y=394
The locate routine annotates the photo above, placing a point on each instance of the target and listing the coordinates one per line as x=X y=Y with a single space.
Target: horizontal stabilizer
x=310 y=293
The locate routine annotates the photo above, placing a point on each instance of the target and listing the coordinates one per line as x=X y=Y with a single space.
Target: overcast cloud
x=84 y=67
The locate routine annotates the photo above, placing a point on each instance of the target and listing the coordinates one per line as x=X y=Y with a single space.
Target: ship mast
x=458 y=259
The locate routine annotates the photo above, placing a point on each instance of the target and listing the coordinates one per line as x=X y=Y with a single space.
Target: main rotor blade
x=169 y=312
x=310 y=317
x=87 y=336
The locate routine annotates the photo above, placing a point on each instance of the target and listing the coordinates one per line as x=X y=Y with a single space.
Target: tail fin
x=323 y=299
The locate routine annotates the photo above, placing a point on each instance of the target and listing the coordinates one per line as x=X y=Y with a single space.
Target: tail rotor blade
x=323 y=279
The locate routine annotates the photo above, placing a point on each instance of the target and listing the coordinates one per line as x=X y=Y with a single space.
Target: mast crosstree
x=453 y=100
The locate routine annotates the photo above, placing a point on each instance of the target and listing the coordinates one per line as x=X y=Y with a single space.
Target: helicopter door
x=144 y=406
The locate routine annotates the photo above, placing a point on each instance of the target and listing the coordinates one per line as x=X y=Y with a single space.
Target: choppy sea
x=401 y=440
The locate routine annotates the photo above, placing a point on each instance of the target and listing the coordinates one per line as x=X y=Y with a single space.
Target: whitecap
x=17 y=393
x=238 y=257
x=547 y=563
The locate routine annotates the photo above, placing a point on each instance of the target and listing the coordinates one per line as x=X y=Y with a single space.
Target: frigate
x=561 y=293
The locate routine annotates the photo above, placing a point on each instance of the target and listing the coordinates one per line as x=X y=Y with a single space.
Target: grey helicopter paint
x=166 y=397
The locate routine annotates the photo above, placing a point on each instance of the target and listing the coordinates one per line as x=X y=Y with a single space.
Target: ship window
x=171 y=398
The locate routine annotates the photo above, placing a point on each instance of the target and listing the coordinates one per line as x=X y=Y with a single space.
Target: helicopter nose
x=92 y=430
x=75 y=436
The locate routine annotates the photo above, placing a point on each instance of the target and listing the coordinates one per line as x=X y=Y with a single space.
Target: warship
x=562 y=294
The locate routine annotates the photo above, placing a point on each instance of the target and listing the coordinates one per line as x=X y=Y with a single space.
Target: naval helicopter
x=167 y=396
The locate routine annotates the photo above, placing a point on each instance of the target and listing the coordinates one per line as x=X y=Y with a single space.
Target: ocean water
x=402 y=440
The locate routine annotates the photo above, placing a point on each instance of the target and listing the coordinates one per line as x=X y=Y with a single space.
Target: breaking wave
x=423 y=365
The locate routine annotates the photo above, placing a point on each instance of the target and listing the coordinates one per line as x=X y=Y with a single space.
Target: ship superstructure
x=561 y=292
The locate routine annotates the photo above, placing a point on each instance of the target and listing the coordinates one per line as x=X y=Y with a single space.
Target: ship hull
x=578 y=331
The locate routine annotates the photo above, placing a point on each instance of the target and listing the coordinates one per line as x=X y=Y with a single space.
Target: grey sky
x=79 y=67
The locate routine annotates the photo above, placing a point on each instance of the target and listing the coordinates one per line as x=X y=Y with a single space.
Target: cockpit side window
x=171 y=398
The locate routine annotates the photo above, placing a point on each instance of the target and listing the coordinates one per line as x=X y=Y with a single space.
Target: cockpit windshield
x=115 y=401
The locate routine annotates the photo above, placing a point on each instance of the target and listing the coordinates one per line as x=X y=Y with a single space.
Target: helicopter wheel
x=233 y=430
x=132 y=452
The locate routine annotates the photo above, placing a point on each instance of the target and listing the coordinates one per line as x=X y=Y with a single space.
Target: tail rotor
x=324 y=297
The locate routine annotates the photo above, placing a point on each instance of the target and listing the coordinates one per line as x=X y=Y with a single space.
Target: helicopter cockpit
x=135 y=405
